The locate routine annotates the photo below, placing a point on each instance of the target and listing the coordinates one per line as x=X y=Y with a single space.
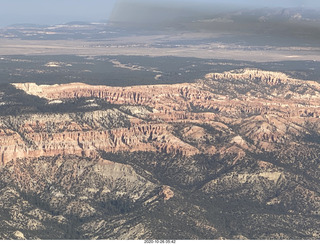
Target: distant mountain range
x=294 y=26
x=262 y=27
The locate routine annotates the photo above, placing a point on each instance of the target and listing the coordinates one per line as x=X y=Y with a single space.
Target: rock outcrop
x=175 y=102
x=166 y=193
x=267 y=77
x=264 y=114
x=240 y=151
x=26 y=142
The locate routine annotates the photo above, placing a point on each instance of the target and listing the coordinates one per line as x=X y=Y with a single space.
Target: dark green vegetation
x=236 y=208
x=63 y=208
x=101 y=70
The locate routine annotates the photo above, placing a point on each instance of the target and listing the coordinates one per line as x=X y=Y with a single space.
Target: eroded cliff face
x=291 y=96
x=37 y=136
x=267 y=107
x=233 y=146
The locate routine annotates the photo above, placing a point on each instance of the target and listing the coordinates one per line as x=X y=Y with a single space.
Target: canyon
x=224 y=155
x=265 y=119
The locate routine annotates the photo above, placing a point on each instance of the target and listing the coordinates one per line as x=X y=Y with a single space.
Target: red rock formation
x=155 y=137
x=173 y=102
x=166 y=193
x=266 y=119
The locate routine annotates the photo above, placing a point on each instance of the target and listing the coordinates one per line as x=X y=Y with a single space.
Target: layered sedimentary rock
x=233 y=155
x=270 y=110
x=175 y=101
x=31 y=142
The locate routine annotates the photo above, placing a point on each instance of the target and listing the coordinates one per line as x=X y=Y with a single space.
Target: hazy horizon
x=53 y=12
x=62 y=11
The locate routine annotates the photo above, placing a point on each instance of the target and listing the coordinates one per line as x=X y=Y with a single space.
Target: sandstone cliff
x=265 y=115
x=233 y=155
x=32 y=139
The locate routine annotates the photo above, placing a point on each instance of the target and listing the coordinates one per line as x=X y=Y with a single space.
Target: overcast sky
x=61 y=11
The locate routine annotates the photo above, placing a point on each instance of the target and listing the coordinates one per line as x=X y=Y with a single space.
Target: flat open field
x=144 y=47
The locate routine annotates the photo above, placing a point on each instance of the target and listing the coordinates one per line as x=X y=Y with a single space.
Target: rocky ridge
x=263 y=119
x=224 y=156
